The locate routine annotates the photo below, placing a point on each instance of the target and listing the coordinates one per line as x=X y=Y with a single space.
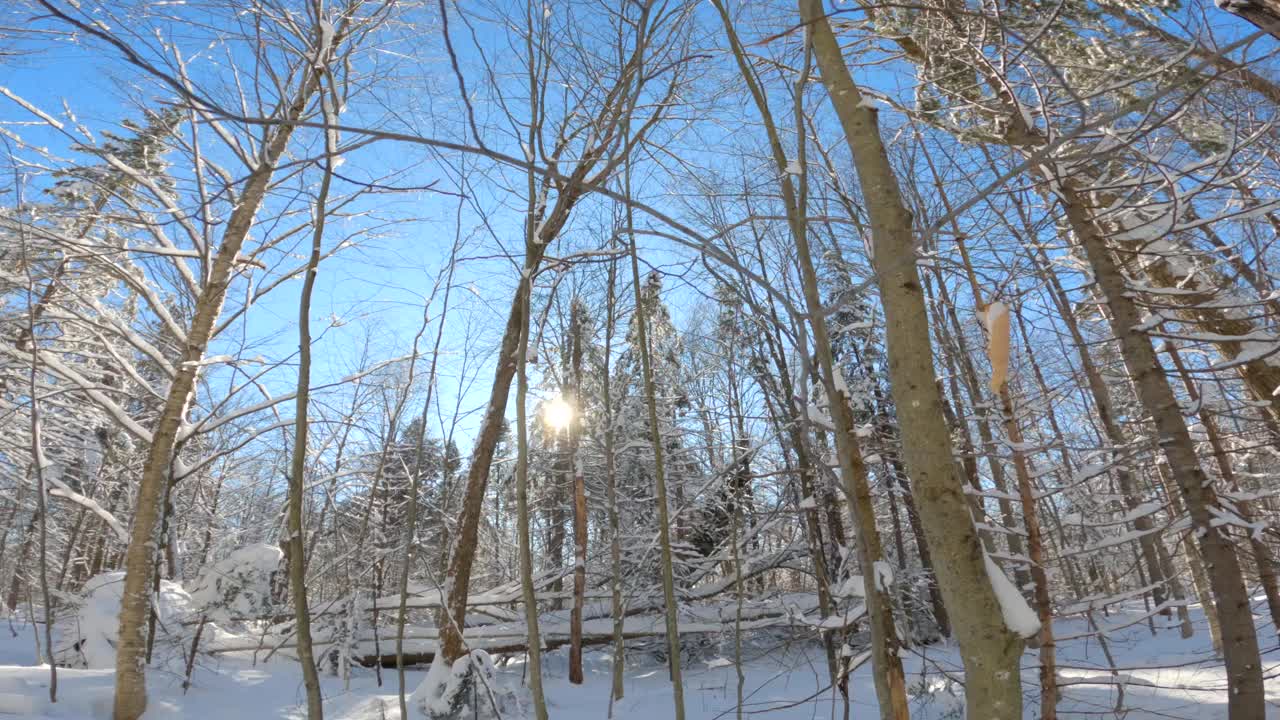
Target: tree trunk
x=611 y=491
x=1262 y=556
x=522 y=517
x=577 y=326
x=461 y=559
x=991 y=651
x=38 y=464
x=1035 y=550
x=130 y=686
x=1240 y=642
x=659 y=476
x=296 y=543
x=889 y=680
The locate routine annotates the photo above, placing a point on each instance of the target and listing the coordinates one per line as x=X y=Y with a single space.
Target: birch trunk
x=576 y=329
x=135 y=604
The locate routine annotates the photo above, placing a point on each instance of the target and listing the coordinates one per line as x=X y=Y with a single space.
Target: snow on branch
x=63 y=491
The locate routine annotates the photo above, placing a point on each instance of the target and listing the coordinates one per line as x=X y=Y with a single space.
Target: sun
x=557 y=413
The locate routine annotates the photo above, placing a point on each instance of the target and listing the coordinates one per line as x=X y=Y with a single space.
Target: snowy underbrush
x=91 y=635
x=719 y=649
x=223 y=604
x=1157 y=675
x=470 y=688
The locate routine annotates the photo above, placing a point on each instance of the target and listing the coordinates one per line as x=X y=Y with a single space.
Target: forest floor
x=1164 y=677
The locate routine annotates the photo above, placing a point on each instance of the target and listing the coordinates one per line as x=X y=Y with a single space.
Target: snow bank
x=470 y=689
x=82 y=694
x=97 y=624
x=239 y=585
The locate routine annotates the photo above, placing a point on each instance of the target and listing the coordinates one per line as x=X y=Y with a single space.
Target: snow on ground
x=1168 y=677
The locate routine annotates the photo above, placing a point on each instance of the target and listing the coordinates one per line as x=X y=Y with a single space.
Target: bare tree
x=595 y=141
x=992 y=650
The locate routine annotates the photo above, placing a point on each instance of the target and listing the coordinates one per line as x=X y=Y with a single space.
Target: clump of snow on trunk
x=469 y=689
x=884 y=576
x=1018 y=616
x=853 y=586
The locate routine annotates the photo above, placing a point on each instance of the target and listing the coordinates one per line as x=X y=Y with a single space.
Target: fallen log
x=508 y=640
x=424 y=657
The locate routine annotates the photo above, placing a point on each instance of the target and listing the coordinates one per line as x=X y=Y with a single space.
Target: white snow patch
x=1018 y=616
x=853 y=586
x=98 y=621
x=884 y=576
x=239 y=585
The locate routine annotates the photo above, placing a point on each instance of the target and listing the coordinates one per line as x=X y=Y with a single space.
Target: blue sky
x=374 y=291
x=377 y=289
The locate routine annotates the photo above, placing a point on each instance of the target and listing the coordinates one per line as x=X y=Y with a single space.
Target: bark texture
x=991 y=651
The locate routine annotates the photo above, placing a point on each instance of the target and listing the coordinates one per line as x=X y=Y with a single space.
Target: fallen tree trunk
x=559 y=636
x=793 y=610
